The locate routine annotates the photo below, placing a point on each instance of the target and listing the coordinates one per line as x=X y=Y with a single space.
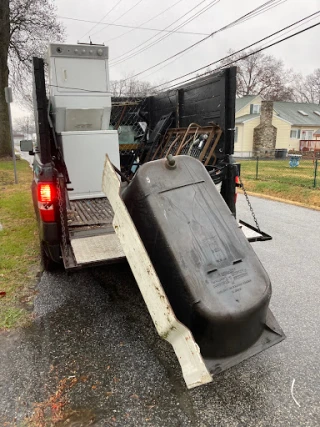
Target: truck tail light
x=237 y=184
x=46 y=197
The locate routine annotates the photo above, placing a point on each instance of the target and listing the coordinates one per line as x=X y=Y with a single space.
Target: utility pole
x=8 y=95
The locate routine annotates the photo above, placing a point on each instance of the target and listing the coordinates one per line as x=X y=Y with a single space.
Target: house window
x=307 y=134
x=295 y=134
x=317 y=112
x=236 y=134
x=303 y=113
x=255 y=108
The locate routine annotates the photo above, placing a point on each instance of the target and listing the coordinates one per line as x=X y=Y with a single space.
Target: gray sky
x=300 y=53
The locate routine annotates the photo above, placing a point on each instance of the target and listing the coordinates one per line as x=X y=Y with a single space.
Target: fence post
x=257 y=167
x=315 y=173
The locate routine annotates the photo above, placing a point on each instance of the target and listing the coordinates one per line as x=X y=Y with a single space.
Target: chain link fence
x=291 y=170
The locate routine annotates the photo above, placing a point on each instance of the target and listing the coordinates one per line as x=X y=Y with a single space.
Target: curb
x=278 y=199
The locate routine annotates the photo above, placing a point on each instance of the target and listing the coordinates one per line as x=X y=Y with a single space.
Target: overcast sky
x=301 y=53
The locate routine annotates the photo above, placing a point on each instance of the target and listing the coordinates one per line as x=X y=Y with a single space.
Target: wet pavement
x=92 y=357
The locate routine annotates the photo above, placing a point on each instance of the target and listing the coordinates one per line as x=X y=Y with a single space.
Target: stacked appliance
x=80 y=101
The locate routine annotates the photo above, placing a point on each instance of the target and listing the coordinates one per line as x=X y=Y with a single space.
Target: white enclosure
x=84 y=154
x=81 y=105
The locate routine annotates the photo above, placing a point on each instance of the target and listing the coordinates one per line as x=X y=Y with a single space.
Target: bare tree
x=24 y=125
x=131 y=88
x=26 y=27
x=261 y=74
x=308 y=88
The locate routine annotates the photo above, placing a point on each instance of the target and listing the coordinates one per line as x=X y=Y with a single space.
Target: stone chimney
x=265 y=134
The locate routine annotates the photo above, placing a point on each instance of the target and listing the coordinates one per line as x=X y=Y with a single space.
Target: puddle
x=88 y=358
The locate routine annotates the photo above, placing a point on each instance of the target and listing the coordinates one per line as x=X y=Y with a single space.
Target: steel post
x=8 y=95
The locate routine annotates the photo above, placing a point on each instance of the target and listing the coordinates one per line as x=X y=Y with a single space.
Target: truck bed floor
x=90 y=212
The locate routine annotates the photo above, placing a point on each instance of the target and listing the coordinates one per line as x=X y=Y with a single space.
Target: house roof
x=290 y=111
x=245 y=100
x=317 y=132
x=245 y=118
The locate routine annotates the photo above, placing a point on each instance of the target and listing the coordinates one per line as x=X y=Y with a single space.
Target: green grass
x=19 y=253
x=276 y=178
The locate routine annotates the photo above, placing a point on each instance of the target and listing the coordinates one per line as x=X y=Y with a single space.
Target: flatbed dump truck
x=157 y=205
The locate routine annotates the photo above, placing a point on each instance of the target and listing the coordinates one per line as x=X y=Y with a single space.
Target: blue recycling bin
x=294 y=160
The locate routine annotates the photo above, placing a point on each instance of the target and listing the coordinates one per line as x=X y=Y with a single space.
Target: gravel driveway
x=92 y=357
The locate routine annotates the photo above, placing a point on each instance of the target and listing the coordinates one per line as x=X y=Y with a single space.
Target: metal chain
x=249 y=204
x=63 y=228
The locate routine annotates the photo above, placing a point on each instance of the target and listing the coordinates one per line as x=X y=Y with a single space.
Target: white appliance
x=79 y=83
x=81 y=105
x=84 y=154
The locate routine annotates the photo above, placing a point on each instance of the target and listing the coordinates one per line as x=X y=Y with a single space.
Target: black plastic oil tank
x=211 y=275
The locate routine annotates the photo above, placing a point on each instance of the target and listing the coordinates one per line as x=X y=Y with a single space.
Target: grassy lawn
x=277 y=179
x=19 y=253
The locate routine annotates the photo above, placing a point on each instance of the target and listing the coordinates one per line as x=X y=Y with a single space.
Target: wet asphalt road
x=92 y=357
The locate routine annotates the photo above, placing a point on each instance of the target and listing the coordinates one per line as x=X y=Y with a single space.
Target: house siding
x=247 y=137
x=246 y=110
x=238 y=145
x=283 y=133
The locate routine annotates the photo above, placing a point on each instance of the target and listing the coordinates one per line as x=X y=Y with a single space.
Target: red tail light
x=45 y=192
x=46 y=197
x=237 y=182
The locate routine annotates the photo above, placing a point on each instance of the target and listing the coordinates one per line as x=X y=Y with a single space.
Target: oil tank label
x=230 y=279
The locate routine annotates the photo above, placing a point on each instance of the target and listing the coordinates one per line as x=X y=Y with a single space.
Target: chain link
x=249 y=204
x=63 y=228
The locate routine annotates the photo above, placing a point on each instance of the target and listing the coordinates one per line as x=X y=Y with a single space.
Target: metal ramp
x=88 y=250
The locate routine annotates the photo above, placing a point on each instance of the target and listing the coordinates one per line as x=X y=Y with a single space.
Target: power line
x=235 y=60
x=255 y=12
x=120 y=17
x=133 y=27
x=149 y=20
x=119 y=59
x=222 y=59
x=123 y=57
x=104 y=17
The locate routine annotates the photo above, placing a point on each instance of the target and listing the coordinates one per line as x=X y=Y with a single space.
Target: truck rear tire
x=47 y=263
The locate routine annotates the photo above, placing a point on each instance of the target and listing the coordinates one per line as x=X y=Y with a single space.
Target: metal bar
x=186 y=143
x=207 y=144
x=163 y=144
x=8 y=94
x=121 y=117
x=189 y=130
x=171 y=145
x=315 y=173
x=219 y=133
x=262 y=238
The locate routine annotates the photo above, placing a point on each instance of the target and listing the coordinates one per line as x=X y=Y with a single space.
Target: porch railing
x=309 y=144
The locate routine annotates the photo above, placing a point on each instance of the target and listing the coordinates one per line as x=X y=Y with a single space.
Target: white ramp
x=194 y=370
